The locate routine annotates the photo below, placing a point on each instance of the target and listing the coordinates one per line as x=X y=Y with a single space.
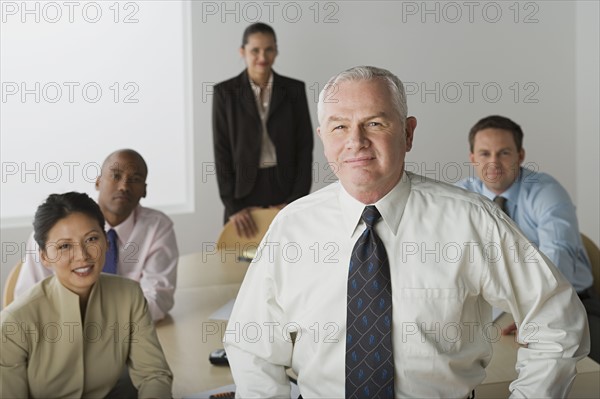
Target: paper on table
x=206 y=394
x=231 y=388
x=223 y=312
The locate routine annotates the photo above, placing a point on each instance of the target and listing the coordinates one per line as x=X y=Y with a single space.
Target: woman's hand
x=244 y=223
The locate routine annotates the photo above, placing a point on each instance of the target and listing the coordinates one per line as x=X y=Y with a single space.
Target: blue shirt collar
x=511 y=195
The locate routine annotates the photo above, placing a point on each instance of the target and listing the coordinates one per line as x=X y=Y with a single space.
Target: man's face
x=121 y=185
x=496 y=158
x=364 y=138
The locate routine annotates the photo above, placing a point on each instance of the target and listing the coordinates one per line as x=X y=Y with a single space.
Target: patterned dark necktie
x=112 y=255
x=501 y=202
x=369 y=353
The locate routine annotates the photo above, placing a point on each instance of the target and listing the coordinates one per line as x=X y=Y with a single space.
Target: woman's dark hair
x=258 y=27
x=59 y=206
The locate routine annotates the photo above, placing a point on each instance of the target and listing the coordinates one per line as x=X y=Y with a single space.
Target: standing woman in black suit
x=262 y=133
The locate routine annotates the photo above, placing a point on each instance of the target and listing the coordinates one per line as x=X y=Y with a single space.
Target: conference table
x=207 y=281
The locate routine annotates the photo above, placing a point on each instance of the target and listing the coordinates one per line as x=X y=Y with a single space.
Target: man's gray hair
x=365 y=73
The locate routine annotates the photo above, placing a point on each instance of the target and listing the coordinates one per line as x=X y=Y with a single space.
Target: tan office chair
x=593 y=253
x=246 y=247
x=9 y=285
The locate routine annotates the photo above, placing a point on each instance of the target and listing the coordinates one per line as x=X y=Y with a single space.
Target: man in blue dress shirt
x=537 y=203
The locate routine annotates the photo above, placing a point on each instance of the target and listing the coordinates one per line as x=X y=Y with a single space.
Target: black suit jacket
x=237 y=137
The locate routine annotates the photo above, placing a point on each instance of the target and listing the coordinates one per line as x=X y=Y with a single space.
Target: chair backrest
x=593 y=253
x=246 y=247
x=9 y=286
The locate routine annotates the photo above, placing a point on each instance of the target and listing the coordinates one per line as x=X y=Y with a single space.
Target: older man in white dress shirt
x=431 y=259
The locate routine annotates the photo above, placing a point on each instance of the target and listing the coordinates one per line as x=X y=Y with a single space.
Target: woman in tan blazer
x=72 y=334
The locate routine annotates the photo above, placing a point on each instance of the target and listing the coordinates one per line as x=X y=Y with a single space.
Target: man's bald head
x=121 y=184
x=129 y=153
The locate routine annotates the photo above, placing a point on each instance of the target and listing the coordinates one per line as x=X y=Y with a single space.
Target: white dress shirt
x=452 y=255
x=147 y=253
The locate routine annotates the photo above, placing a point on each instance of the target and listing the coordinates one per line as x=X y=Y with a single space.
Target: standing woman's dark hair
x=258 y=27
x=59 y=206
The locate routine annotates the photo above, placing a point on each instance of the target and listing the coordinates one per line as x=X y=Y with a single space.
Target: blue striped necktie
x=112 y=255
x=369 y=352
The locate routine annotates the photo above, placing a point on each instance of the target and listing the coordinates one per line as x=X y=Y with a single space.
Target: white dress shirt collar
x=125 y=228
x=391 y=206
x=511 y=195
x=263 y=103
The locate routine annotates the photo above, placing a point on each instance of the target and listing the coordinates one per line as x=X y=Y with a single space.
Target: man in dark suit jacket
x=238 y=136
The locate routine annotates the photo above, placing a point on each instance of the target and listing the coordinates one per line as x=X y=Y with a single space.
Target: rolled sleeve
x=159 y=273
x=257 y=347
x=551 y=319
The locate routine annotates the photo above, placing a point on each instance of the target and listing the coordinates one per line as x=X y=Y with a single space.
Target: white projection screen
x=81 y=79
